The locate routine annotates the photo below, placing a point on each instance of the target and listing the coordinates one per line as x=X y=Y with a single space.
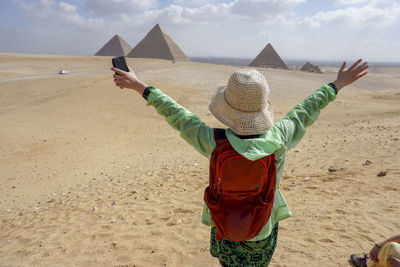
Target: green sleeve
x=293 y=126
x=191 y=128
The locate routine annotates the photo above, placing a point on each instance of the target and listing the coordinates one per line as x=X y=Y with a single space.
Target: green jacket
x=284 y=135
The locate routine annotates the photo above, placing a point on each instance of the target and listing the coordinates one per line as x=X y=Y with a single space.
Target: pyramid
x=115 y=47
x=268 y=58
x=157 y=44
x=311 y=68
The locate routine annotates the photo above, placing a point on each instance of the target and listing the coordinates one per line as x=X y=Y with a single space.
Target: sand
x=91 y=176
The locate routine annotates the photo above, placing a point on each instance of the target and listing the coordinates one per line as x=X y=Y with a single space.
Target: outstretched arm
x=293 y=126
x=190 y=126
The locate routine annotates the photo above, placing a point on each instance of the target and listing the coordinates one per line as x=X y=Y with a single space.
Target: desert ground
x=91 y=176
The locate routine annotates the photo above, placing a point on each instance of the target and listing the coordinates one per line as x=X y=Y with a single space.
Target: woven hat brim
x=242 y=123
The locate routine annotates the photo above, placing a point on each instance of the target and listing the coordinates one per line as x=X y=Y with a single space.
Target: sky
x=297 y=29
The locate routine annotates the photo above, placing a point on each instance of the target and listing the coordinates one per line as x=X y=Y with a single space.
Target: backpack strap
x=220 y=136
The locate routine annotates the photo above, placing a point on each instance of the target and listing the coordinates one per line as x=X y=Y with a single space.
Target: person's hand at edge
x=352 y=74
x=373 y=254
x=395 y=262
x=375 y=250
x=128 y=80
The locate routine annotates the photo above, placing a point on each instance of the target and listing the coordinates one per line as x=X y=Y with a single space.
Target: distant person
x=243 y=202
x=383 y=254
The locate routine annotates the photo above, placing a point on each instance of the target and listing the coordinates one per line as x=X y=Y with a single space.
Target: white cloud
x=193 y=2
x=262 y=9
x=181 y=15
x=107 y=7
x=206 y=12
x=365 y=2
x=365 y=16
x=56 y=14
x=252 y=10
x=146 y=11
x=349 y=2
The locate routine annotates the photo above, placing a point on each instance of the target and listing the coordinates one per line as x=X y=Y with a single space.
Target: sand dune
x=91 y=176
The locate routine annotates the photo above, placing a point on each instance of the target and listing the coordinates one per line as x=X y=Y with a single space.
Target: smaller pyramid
x=115 y=47
x=268 y=58
x=311 y=68
x=158 y=44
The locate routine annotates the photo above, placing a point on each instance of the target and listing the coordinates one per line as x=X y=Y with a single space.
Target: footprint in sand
x=341 y=211
x=330 y=179
x=106 y=227
x=149 y=222
x=345 y=236
x=182 y=211
x=326 y=240
x=310 y=240
x=312 y=187
x=187 y=221
x=331 y=228
x=364 y=231
x=157 y=233
x=124 y=258
x=390 y=188
x=324 y=217
x=100 y=236
x=367 y=238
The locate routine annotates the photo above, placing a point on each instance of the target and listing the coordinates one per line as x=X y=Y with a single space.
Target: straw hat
x=243 y=105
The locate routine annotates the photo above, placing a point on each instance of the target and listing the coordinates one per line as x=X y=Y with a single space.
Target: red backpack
x=241 y=192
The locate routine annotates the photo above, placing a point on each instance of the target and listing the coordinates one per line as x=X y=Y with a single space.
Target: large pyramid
x=268 y=58
x=115 y=47
x=157 y=44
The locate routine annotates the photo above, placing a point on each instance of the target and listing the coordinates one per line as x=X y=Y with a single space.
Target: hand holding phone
x=120 y=63
x=125 y=77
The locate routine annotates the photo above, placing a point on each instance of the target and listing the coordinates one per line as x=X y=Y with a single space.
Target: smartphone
x=120 y=63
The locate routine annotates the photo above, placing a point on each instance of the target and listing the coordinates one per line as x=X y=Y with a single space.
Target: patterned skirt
x=244 y=253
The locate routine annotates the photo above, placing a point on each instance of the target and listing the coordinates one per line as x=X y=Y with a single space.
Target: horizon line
x=219 y=57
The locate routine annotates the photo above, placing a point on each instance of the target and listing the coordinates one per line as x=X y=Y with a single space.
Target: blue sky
x=298 y=29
